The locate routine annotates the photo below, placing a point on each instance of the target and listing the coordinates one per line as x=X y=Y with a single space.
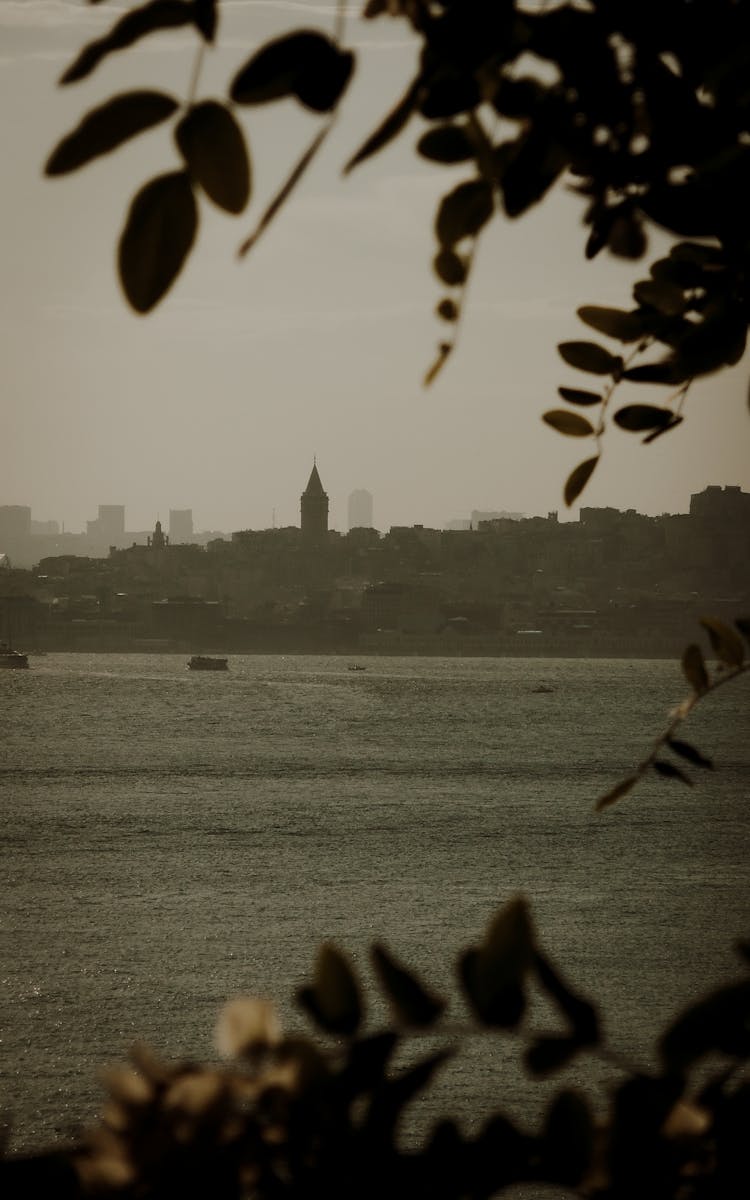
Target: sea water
x=172 y=838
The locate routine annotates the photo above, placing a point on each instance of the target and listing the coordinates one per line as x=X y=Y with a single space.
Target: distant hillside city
x=610 y=584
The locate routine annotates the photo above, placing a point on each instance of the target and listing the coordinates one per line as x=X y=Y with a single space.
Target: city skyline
x=338 y=515
x=325 y=330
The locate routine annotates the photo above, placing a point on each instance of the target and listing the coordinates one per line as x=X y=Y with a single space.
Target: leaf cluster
x=161 y=225
x=297 y=1116
x=642 y=111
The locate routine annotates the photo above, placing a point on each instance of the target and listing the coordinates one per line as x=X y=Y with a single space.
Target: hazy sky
x=317 y=342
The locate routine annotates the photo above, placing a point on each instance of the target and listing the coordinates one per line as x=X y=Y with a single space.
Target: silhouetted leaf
x=507 y=949
x=391 y=126
x=577 y=396
x=446 y=144
x=684 y=274
x=668 y=372
x=718 y=341
x=447 y=309
x=570 y=423
x=597 y=239
x=528 y=168
x=659 y=294
x=493 y=975
x=682 y=208
x=626 y=236
x=367 y=1061
x=159 y=14
x=567 y=1139
x=412 y=1003
x=636 y=1148
x=159 y=231
x=450 y=268
x=323 y=83
x=637 y=417
x=549 y=1053
x=213 y=146
x=578 y=479
x=670 y=771
x=445 y=1159
x=719 y=1022
x=390 y=1100
x=726 y=644
x=334 y=999
x=518 y=97
x=588 y=356
x=688 y=752
x=464 y=211
x=205 y=18
x=696 y=252
x=305 y=64
x=501 y=1156
x=448 y=92
x=106 y=127
x=614 y=322
x=271 y=73
x=616 y=793
x=579 y=1012
x=694 y=668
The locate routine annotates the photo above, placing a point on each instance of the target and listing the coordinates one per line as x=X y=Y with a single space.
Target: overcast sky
x=314 y=344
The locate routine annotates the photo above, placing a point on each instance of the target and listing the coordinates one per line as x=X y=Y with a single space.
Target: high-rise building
x=180 y=525
x=359 y=509
x=314 y=509
x=109 y=527
x=15 y=521
x=45 y=528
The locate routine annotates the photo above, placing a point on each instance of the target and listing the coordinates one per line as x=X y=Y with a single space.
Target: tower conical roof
x=314 y=486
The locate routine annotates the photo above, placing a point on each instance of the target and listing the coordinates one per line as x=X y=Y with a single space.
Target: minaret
x=314 y=509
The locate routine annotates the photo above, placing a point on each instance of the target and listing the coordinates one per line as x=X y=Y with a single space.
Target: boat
x=12 y=659
x=356 y=667
x=543 y=687
x=201 y=662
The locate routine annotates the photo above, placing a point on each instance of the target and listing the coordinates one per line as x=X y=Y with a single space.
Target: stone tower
x=314 y=509
x=157 y=541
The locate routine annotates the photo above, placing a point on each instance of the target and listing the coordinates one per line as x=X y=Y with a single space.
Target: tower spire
x=314 y=507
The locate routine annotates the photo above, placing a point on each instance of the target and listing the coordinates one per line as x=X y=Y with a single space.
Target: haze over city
x=317 y=343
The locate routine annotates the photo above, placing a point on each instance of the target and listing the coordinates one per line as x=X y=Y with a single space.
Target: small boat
x=356 y=667
x=200 y=662
x=543 y=687
x=12 y=660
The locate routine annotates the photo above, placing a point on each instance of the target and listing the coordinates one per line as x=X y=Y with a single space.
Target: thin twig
x=339 y=21
x=484 y=147
x=195 y=74
x=286 y=188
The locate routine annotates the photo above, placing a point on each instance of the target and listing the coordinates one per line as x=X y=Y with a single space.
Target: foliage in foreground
x=670 y=755
x=304 y=1117
x=641 y=108
x=320 y=1117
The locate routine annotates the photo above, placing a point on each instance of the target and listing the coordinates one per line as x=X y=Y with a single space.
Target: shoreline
x=644 y=651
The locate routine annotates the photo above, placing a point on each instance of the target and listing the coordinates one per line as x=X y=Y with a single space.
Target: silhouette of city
x=612 y=583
